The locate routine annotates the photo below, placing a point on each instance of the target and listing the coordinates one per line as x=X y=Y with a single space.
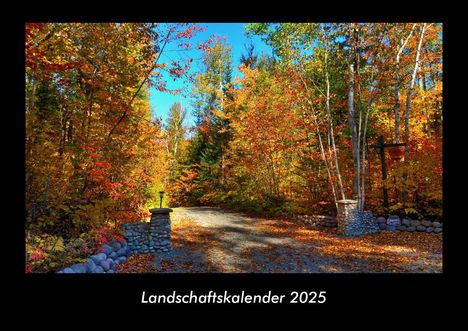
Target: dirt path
x=208 y=239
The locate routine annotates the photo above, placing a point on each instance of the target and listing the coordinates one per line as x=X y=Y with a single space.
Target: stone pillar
x=160 y=230
x=347 y=216
x=352 y=222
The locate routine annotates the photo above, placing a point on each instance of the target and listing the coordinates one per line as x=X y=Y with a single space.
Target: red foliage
x=107 y=234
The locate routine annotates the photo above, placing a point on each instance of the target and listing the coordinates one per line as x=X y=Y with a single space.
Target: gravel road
x=232 y=242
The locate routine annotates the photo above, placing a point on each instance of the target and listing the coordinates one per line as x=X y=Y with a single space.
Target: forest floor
x=206 y=239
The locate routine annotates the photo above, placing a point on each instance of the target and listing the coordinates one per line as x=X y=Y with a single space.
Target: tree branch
x=138 y=90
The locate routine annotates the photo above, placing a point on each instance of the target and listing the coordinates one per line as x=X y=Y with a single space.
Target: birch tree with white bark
x=423 y=28
x=396 y=97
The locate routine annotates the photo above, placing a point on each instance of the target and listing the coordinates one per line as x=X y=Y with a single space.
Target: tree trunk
x=352 y=127
x=397 y=86
x=410 y=91
x=364 y=145
x=331 y=131
x=408 y=101
x=397 y=103
x=319 y=136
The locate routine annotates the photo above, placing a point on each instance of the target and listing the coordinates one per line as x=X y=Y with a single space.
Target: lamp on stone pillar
x=161 y=195
x=160 y=230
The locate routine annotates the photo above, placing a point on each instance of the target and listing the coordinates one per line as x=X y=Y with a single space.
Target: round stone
x=98 y=270
x=406 y=222
x=415 y=223
x=421 y=228
x=426 y=223
x=121 y=259
x=112 y=264
x=402 y=228
x=429 y=229
x=436 y=224
x=68 y=271
x=437 y=230
x=106 y=249
x=80 y=268
x=391 y=227
x=393 y=221
x=411 y=228
x=382 y=226
x=106 y=264
x=91 y=264
x=98 y=258
x=116 y=245
x=122 y=251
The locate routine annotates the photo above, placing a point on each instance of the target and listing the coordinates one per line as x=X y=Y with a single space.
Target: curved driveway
x=222 y=241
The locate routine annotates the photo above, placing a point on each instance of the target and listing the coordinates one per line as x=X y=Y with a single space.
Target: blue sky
x=234 y=32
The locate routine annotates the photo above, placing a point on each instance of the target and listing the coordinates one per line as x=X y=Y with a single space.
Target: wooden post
x=381 y=146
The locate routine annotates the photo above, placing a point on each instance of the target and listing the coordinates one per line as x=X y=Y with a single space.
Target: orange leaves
x=103 y=164
x=179 y=190
x=96 y=172
x=113 y=189
x=80 y=79
x=340 y=104
x=382 y=252
x=137 y=264
x=204 y=128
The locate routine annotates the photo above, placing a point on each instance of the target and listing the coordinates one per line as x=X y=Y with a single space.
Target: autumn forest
x=276 y=134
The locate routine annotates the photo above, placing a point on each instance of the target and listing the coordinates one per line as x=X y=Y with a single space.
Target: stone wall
x=394 y=223
x=152 y=236
x=317 y=221
x=140 y=237
x=110 y=256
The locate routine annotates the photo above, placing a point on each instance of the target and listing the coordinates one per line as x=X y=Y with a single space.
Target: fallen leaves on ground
x=141 y=263
x=384 y=251
x=379 y=252
x=185 y=233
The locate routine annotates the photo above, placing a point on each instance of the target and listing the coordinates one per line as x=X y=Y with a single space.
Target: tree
x=400 y=49
x=175 y=128
x=210 y=91
x=249 y=59
x=424 y=27
x=294 y=44
x=92 y=150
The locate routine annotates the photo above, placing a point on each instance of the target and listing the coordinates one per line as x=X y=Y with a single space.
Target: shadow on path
x=213 y=240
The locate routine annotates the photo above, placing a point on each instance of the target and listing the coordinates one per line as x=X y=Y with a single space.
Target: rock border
x=139 y=238
x=392 y=223
x=110 y=256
